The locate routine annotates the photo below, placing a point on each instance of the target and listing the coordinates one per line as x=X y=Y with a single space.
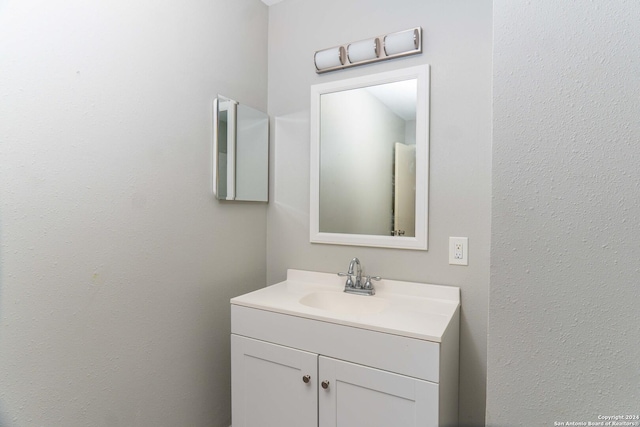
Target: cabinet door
x=358 y=396
x=267 y=385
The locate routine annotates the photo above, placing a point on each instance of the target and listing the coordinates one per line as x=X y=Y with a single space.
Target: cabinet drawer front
x=407 y=356
x=268 y=387
x=360 y=396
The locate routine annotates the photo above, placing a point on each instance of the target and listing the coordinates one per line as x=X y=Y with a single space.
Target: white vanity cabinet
x=296 y=368
x=357 y=395
x=281 y=386
x=269 y=387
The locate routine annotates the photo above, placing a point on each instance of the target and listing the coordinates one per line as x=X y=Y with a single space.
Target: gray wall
x=457 y=44
x=564 y=334
x=116 y=264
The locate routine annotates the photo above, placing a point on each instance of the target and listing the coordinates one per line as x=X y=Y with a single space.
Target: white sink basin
x=340 y=302
x=415 y=310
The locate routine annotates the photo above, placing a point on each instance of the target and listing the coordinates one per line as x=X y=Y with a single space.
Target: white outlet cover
x=459 y=250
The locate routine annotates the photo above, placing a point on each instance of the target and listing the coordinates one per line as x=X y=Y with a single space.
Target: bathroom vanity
x=304 y=353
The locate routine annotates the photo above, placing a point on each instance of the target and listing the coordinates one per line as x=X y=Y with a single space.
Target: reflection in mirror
x=370 y=159
x=361 y=156
x=240 y=151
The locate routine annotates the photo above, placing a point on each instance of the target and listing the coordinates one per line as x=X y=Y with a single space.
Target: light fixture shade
x=404 y=41
x=364 y=50
x=330 y=58
x=396 y=45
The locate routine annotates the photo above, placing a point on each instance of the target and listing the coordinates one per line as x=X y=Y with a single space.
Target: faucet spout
x=356 y=262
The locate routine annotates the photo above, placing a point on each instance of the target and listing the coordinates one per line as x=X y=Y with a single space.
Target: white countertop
x=415 y=310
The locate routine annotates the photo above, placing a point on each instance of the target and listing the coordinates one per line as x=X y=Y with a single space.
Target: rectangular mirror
x=370 y=159
x=240 y=152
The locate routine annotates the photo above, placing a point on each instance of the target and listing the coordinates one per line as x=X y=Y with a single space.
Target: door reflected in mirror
x=370 y=159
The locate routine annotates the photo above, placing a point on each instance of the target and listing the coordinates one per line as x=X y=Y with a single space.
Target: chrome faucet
x=358 y=287
x=356 y=261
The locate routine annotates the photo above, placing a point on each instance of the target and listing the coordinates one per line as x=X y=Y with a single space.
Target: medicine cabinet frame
x=240 y=152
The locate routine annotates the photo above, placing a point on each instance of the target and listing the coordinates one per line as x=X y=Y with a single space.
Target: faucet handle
x=368 y=284
x=349 y=283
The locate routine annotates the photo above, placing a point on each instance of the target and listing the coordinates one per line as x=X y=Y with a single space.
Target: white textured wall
x=457 y=44
x=564 y=333
x=116 y=263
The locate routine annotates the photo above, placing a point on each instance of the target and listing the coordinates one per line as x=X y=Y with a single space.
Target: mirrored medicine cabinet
x=370 y=160
x=240 y=162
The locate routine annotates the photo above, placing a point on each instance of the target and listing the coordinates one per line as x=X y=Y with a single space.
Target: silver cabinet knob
x=306 y=379
x=325 y=384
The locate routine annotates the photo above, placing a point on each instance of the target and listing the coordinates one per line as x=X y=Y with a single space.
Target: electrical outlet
x=459 y=250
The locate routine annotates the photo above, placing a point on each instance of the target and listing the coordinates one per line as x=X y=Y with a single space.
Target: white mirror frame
x=420 y=241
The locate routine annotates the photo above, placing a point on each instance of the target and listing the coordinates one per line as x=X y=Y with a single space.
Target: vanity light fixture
x=364 y=50
x=388 y=46
x=330 y=59
x=402 y=43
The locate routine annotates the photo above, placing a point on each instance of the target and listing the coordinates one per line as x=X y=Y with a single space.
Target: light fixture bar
x=381 y=48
